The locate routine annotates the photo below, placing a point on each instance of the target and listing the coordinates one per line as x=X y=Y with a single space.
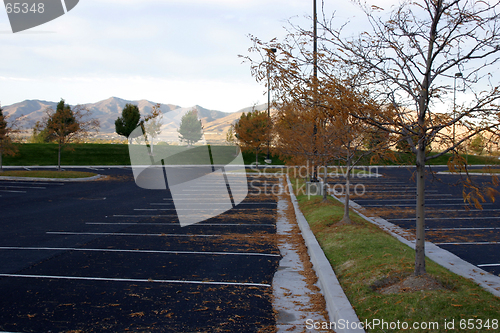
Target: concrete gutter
x=440 y=256
x=338 y=306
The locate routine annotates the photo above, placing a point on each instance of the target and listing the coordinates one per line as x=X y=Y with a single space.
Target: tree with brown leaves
x=252 y=131
x=6 y=146
x=65 y=125
x=408 y=62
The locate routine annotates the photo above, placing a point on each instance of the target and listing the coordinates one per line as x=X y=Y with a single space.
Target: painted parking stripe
x=30 y=183
x=175 y=224
x=427 y=194
x=455 y=199
x=464 y=228
x=139 y=251
x=135 y=280
x=164 y=215
x=189 y=209
x=8 y=191
x=469 y=243
x=213 y=203
x=125 y=234
x=394 y=191
x=28 y=187
x=451 y=218
x=470 y=210
x=488 y=265
x=428 y=205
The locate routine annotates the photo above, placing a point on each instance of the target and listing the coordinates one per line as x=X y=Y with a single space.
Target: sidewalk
x=306 y=292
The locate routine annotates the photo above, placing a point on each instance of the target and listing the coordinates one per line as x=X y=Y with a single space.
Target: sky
x=182 y=52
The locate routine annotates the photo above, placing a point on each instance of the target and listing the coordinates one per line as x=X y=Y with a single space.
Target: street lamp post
x=271 y=50
x=457 y=75
x=314 y=176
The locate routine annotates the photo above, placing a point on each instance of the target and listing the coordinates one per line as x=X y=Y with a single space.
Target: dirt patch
x=404 y=283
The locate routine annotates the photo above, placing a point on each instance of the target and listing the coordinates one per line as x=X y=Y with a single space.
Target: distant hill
x=215 y=123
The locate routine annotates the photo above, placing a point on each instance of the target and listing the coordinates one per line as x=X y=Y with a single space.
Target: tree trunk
x=325 y=184
x=1 y=164
x=420 y=212
x=257 y=158
x=59 y=157
x=347 y=218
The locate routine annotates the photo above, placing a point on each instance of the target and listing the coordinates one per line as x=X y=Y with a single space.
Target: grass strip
x=45 y=154
x=365 y=258
x=47 y=174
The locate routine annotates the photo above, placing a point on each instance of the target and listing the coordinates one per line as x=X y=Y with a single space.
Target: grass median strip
x=373 y=267
x=47 y=174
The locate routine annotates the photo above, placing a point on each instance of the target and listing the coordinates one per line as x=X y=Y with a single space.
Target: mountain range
x=215 y=123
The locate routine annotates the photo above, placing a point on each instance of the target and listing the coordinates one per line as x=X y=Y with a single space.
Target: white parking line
x=488 y=265
x=392 y=191
x=125 y=234
x=214 y=203
x=465 y=228
x=165 y=215
x=138 y=251
x=427 y=194
x=29 y=187
x=451 y=218
x=30 y=183
x=469 y=243
x=428 y=205
x=455 y=199
x=8 y=191
x=135 y=280
x=193 y=225
x=188 y=209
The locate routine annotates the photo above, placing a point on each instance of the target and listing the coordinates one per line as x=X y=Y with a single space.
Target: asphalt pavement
x=108 y=256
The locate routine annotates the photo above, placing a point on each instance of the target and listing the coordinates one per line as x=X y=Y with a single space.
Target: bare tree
x=409 y=60
x=152 y=125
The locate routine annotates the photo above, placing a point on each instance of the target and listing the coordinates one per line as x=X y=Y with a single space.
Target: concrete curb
x=440 y=256
x=338 y=306
x=87 y=179
x=470 y=173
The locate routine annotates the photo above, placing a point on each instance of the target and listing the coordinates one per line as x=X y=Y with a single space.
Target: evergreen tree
x=190 y=129
x=477 y=144
x=129 y=120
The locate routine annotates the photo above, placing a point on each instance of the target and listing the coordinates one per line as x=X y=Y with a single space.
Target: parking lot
x=470 y=233
x=107 y=256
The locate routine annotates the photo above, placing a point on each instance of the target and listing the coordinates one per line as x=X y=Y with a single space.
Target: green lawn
x=32 y=154
x=45 y=154
x=364 y=258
